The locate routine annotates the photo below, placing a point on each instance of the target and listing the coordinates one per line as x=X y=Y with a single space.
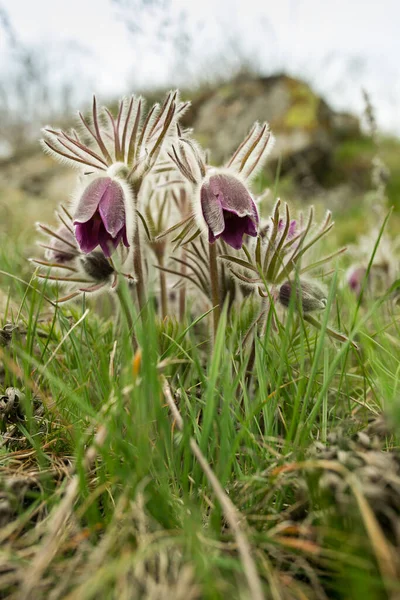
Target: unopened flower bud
x=292 y=230
x=355 y=279
x=97 y=266
x=311 y=295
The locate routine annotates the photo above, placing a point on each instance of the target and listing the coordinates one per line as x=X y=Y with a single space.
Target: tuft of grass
x=247 y=485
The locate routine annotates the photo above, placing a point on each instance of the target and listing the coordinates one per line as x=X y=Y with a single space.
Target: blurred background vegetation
x=237 y=62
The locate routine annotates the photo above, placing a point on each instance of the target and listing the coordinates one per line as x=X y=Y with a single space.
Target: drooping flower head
x=62 y=250
x=355 y=278
x=223 y=203
x=67 y=265
x=100 y=218
x=120 y=152
x=228 y=209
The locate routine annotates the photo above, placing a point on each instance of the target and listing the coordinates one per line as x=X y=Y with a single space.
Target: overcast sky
x=338 y=46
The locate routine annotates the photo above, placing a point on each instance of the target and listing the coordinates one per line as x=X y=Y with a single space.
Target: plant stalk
x=137 y=252
x=163 y=283
x=214 y=280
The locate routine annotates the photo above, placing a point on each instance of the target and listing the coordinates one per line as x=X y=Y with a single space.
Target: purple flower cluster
x=124 y=159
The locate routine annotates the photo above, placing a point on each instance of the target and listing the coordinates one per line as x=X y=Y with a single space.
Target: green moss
x=304 y=110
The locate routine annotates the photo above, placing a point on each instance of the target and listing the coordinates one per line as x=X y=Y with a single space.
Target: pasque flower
x=100 y=218
x=228 y=209
x=79 y=272
x=117 y=152
x=223 y=204
x=62 y=250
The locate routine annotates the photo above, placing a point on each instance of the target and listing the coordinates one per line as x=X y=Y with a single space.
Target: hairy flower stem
x=138 y=269
x=163 y=283
x=214 y=279
x=137 y=254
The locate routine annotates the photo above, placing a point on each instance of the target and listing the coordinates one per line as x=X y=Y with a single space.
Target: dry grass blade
x=57 y=524
x=382 y=549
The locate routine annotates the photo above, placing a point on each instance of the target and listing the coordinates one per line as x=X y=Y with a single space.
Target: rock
x=305 y=127
x=345 y=126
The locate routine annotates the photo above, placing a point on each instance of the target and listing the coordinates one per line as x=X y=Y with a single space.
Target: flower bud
x=311 y=295
x=96 y=266
x=292 y=230
x=355 y=279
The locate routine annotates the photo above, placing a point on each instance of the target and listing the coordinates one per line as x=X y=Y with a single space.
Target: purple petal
x=112 y=208
x=91 y=199
x=107 y=242
x=228 y=210
x=235 y=228
x=292 y=229
x=355 y=279
x=233 y=196
x=212 y=212
x=124 y=237
x=87 y=234
x=100 y=217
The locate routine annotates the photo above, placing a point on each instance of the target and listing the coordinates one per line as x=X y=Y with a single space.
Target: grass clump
x=205 y=433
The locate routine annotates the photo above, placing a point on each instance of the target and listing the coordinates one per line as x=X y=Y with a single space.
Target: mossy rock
x=304 y=125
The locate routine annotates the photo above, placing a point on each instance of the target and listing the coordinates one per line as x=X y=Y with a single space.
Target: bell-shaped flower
x=101 y=216
x=77 y=271
x=228 y=209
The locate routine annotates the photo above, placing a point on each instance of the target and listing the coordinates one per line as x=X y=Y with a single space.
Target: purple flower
x=100 y=218
x=355 y=279
x=228 y=210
